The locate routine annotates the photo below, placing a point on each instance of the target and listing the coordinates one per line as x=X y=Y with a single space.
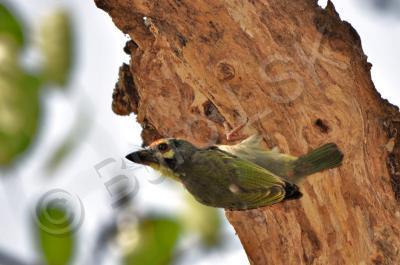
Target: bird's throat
x=165 y=171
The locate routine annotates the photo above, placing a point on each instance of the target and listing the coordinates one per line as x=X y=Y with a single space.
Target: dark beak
x=143 y=157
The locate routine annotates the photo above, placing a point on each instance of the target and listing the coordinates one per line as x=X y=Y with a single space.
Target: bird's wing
x=256 y=185
x=253 y=185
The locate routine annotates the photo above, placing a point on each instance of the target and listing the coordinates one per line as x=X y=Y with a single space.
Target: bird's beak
x=144 y=157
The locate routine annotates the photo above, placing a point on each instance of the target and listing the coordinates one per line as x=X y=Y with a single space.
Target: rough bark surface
x=299 y=74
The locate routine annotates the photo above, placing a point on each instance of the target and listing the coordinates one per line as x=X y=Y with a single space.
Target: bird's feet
x=235 y=134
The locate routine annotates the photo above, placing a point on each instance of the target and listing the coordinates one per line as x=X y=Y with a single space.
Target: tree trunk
x=299 y=74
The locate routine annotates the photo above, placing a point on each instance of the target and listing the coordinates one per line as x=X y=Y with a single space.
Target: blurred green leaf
x=202 y=220
x=55 y=235
x=156 y=243
x=57 y=47
x=10 y=27
x=60 y=154
x=73 y=139
x=19 y=106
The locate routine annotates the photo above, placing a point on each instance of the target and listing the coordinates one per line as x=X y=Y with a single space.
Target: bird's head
x=164 y=154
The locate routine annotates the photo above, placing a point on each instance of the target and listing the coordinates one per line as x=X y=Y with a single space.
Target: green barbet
x=236 y=177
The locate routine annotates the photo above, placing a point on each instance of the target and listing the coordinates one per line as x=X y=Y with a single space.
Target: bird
x=236 y=177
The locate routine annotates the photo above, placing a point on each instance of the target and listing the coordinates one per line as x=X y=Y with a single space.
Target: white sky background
x=99 y=55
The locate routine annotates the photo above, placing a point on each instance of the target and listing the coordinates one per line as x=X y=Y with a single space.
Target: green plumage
x=289 y=167
x=325 y=157
x=219 y=179
x=238 y=177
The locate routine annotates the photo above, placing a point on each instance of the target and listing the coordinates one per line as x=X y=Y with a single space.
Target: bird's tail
x=324 y=157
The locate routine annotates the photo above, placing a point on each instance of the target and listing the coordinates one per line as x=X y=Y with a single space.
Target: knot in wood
x=225 y=72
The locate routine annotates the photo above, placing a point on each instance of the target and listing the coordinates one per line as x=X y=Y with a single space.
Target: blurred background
x=66 y=194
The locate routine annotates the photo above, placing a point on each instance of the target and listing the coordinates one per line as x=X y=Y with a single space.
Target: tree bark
x=299 y=74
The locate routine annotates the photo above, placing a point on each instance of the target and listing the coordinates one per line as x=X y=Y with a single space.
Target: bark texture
x=299 y=74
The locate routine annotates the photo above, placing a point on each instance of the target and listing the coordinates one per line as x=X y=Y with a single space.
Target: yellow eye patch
x=170 y=154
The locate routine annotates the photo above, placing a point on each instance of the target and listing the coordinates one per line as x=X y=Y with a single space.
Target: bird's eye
x=162 y=147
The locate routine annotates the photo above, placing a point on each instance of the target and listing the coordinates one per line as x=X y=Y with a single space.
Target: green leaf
x=157 y=241
x=69 y=144
x=10 y=27
x=202 y=220
x=56 y=45
x=55 y=235
x=19 y=107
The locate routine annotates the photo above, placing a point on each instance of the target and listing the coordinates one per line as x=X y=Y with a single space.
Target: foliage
x=20 y=89
x=56 y=236
x=10 y=27
x=202 y=220
x=156 y=244
x=56 y=47
x=19 y=105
